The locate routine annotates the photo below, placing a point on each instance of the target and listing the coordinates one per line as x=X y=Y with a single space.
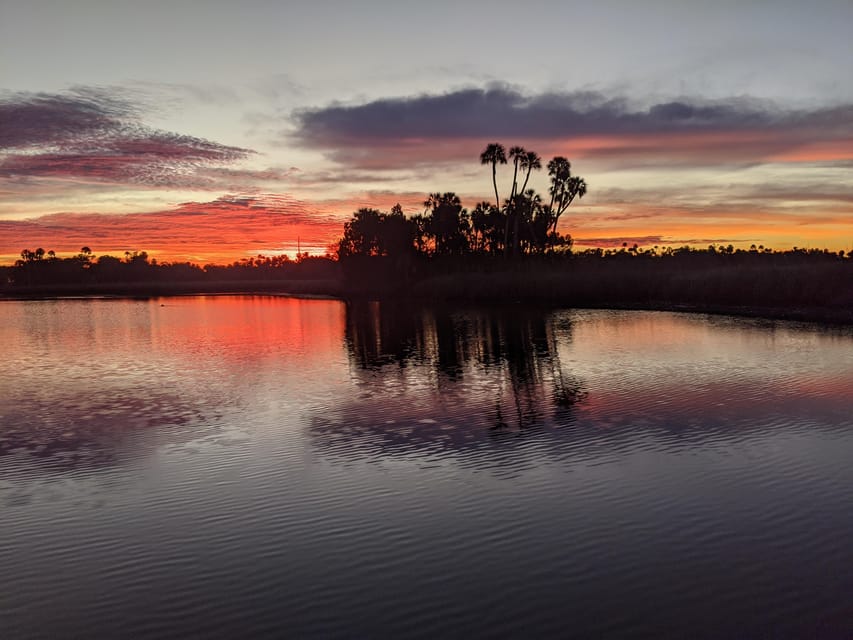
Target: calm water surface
x=263 y=466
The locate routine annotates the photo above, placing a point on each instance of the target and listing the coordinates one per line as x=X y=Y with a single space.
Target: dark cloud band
x=740 y=127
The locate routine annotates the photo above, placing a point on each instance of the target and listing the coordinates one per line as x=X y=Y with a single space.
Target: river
x=261 y=466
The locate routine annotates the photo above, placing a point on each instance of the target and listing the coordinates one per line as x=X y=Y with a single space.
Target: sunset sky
x=213 y=131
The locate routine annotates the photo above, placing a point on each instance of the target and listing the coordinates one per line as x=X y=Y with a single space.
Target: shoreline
x=329 y=290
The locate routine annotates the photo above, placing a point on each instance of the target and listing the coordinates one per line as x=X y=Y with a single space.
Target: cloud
x=221 y=230
x=28 y=119
x=97 y=135
x=649 y=241
x=432 y=128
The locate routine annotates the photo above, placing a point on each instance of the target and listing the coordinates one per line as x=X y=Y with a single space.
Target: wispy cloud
x=98 y=135
x=649 y=241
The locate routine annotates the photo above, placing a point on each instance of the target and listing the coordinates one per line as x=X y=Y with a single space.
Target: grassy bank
x=790 y=286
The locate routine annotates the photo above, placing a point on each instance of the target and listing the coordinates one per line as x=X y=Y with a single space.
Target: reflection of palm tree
x=517 y=350
x=499 y=421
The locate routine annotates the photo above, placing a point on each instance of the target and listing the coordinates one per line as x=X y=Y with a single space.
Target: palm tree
x=529 y=161
x=528 y=207
x=560 y=171
x=448 y=222
x=516 y=153
x=494 y=154
x=564 y=187
x=576 y=188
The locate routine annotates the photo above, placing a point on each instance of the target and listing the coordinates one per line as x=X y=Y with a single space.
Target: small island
x=506 y=251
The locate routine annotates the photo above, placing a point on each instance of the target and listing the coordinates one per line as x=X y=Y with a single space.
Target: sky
x=214 y=131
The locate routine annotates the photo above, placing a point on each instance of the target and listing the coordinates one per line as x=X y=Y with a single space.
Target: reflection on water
x=265 y=466
x=82 y=378
x=435 y=379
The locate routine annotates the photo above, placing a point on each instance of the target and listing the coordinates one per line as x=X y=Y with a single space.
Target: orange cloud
x=223 y=230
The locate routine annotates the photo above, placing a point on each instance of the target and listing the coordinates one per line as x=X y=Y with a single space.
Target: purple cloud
x=92 y=135
x=421 y=128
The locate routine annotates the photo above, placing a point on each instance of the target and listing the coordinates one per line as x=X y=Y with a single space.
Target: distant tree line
x=39 y=268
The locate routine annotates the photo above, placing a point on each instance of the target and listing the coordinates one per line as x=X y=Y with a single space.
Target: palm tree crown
x=530 y=161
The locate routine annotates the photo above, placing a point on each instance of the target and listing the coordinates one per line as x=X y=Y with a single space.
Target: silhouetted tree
x=493 y=155
x=564 y=188
x=487 y=223
x=447 y=223
x=529 y=161
x=371 y=232
x=516 y=153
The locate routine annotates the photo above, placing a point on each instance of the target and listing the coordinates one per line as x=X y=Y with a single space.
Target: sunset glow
x=268 y=157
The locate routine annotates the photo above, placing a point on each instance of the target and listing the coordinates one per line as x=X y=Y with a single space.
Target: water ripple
x=265 y=467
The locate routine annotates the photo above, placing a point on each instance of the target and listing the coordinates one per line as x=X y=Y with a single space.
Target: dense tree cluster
x=521 y=224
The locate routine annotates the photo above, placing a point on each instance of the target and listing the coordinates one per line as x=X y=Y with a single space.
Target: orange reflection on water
x=83 y=374
x=648 y=365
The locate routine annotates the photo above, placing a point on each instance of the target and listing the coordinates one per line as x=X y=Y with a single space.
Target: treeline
x=39 y=269
x=506 y=251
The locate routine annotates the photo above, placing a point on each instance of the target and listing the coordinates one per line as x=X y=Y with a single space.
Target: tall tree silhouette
x=516 y=153
x=494 y=154
x=564 y=188
x=529 y=161
x=448 y=223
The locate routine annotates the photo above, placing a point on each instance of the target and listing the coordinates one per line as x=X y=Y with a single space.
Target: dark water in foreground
x=257 y=466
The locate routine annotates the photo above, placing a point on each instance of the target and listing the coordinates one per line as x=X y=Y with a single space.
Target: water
x=267 y=467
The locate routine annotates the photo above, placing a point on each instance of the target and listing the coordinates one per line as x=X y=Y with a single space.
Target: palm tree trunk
x=526 y=178
x=495 y=183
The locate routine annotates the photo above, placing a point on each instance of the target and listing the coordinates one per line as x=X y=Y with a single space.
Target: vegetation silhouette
x=520 y=226
x=137 y=273
x=512 y=251
x=509 y=250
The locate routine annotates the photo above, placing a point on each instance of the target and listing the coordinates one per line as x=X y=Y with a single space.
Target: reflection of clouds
x=87 y=430
x=87 y=383
x=438 y=380
x=466 y=384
